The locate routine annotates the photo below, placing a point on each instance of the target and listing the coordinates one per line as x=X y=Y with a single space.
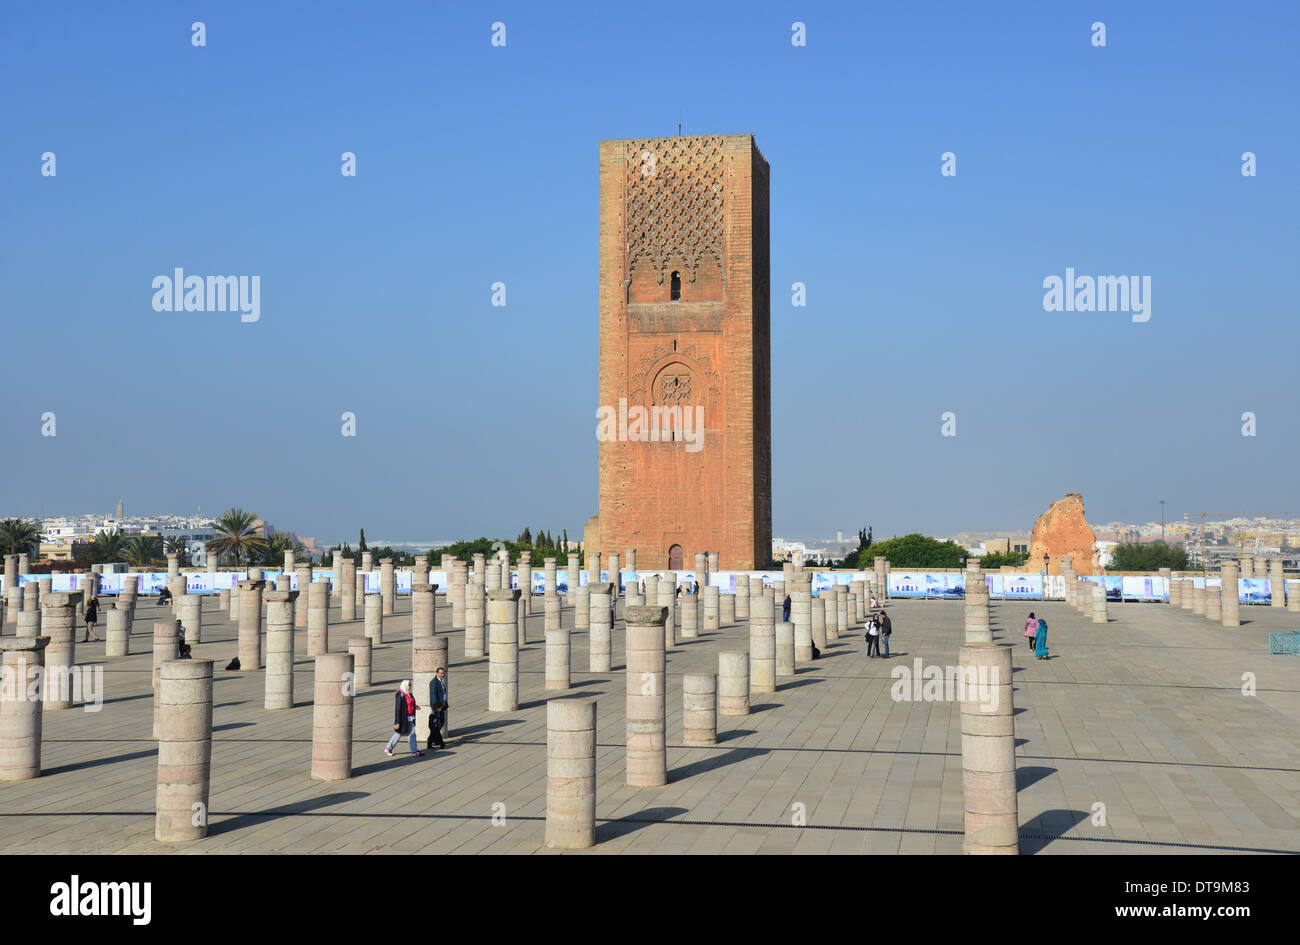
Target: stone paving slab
x=1145 y=715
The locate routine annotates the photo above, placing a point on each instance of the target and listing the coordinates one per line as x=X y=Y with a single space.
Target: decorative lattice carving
x=674 y=202
x=690 y=368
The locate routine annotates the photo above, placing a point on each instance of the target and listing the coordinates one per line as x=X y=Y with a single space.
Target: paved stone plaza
x=1145 y=715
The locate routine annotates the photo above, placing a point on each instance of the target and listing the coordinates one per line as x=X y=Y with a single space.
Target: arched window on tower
x=676 y=286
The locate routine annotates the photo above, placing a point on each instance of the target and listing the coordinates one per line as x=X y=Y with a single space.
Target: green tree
x=914 y=551
x=362 y=546
x=107 y=547
x=236 y=537
x=143 y=550
x=175 y=545
x=566 y=539
x=19 y=536
x=526 y=537
x=1012 y=559
x=1148 y=557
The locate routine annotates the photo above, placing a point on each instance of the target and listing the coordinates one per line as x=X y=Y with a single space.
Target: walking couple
x=405 y=708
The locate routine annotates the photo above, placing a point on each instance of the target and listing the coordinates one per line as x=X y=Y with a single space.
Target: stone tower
x=684 y=323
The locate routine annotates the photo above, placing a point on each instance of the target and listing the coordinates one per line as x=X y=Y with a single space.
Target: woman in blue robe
x=1040 y=641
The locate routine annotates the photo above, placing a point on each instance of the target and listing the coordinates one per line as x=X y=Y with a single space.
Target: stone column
x=117 y=639
x=348 y=591
x=427 y=654
x=278 y=689
x=700 y=709
x=690 y=607
x=615 y=575
x=1198 y=600
x=1276 y=583
x=713 y=562
x=594 y=566
x=552 y=617
x=521 y=622
x=710 y=607
x=882 y=585
x=190 y=611
x=223 y=599
x=59 y=623
x=762 y=649
x=250 y=623
x=1189 y=591
x=647 y=761
x=331 y=718
x=375 y=619
x=976 y=609
x=988 y=751
x=803 y=641
x=304 y=595
x=557 y=653
x=12 y=602
x=503 y=651
x=817 y=613
x=600 y=641
x=550 y=579
x=1247 y=566
x=29 y=618
x=358 y=589
x=784 y=647
x=166 y=647
x=24 y=564
x=475 y=616
x=582 y=607
x=491 y=577
x=1176 y=592
x=1099 y=614
x=629 y=558
x=388 y=586
x=574 y=572
x=20 y=707
x=1229 y=605
x=727 y=609
x=733 y=683
x=742 y=597
x=526 y=582
x=801 y=615
x=422 y=611
x=184 y=750
x=1292 y=596
x=667 y=591
x=571 y=773
x=318 y=619
x=843 y=613
x=701 y=566
x=456 y=593
x=480 y=565
x=857 y=587
x=1213 y=605
x=359 y=650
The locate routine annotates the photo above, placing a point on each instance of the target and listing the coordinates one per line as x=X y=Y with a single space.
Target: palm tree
x=176 y=546
x=106 y=547
x=277 y=545
x=18 y=536
x=142 y=550
x=237 y=537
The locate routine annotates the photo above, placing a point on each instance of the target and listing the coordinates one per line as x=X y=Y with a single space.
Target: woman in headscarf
x=404 y=719
x=1040 y=640
x=1031 y=629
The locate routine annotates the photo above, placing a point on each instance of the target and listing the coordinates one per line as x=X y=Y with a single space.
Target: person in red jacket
x=404 y=719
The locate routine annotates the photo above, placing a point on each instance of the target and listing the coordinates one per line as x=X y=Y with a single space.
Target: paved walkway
x=1145 y=716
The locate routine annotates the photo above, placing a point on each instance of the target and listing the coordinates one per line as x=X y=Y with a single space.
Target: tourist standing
x=92 y=615
x=1031 y=629
x=438 y=713
x=873 y=637
x=886 y=628
x=404 y=719
x=785 y=609
x=1040 y=640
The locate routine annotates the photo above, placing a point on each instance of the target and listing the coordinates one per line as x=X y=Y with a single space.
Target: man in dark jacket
x=785 y=609
x=886 y=628
x=438 y=708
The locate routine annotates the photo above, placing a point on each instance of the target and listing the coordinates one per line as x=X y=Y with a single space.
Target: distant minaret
x=119 y=514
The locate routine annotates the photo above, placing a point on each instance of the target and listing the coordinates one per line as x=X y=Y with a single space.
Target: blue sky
x=478 y=164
